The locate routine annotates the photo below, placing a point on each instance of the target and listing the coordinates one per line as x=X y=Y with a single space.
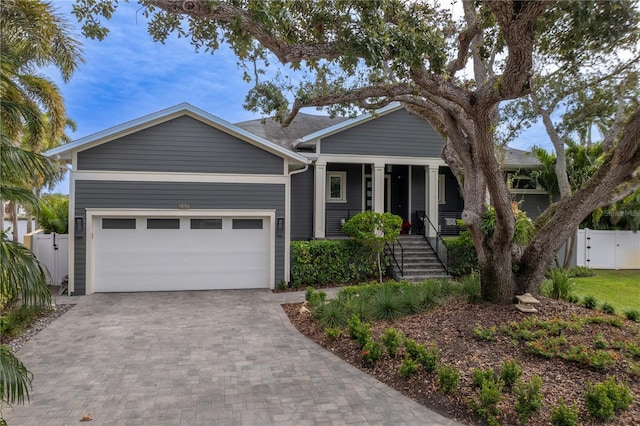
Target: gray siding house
x=183 y=200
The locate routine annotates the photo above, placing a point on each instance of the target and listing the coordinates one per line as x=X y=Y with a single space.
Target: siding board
x=167 y=195
x=183 y=144
x=302 y=199
x=395 y=134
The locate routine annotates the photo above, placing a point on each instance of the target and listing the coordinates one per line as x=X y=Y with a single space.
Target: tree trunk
x=1 y=215
x=13 y=212
x=497 y=281
x=570 y=248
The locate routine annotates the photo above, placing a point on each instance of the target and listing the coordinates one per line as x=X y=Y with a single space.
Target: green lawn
x=620 y=288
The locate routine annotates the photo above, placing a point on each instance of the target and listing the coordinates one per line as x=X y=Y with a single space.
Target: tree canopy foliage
x=32 y=114
x=459 y=73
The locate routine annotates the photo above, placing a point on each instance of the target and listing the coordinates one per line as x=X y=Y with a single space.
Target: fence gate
x=52 y=250
x=608 y=249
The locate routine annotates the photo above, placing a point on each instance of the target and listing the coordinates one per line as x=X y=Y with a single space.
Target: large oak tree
x=455 y=73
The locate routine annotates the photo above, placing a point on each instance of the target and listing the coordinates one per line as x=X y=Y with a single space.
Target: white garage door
x=180 y=253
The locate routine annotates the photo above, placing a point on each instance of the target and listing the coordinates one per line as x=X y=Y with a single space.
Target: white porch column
x=320 y=198
x=432 y=199
x=378 y=188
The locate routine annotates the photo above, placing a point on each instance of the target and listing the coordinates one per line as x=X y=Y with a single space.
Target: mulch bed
x=450 y=327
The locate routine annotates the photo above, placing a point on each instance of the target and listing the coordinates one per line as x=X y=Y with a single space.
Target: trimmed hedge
x=462 y=258
x=331 y=261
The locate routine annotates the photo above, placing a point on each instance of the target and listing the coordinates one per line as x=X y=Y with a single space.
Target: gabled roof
x=517 y=158
x=311 y=138
x=64 y=151
x=303 y=124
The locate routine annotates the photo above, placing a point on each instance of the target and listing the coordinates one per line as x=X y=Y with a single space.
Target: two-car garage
x=179 y=250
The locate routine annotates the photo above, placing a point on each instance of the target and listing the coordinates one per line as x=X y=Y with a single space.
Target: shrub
x=632 y=315
x=489 y=396
x=608 y=308
x=14 y=321
x=580 y=271
x=371 y=352
x=599 y=342
x=428 y=293
x=564 y=415
x=462 y=257
x=317 y=299
x=392 y=340
x=332 y=314
x=410 y=300
x=408 y=367
x=511 y=371
x=482 y=333
x=605 y=398
x=528 y=398
x=482 y=375
x=427 y=357
x=359 y=331
x=373 y=230
x=330 y=261
x=308 y=293
x=448 y=379
x=385 y=304
x=471 y=287
x=333 y=333
x=590 y=302
x=53 y=214
x=559 y=286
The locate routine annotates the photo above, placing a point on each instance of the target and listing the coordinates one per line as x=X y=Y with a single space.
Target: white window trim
x=442 y=189
x=512 y=176
x=343 y=187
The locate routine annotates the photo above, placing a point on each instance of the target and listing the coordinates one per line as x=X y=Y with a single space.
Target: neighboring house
x=182 y=200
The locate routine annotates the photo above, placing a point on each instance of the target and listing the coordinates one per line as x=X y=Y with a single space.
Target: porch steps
x=420 y=261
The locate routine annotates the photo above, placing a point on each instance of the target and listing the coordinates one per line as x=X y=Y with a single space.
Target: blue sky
x=127 y=76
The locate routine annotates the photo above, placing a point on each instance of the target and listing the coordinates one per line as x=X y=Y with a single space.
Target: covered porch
x=411 y=188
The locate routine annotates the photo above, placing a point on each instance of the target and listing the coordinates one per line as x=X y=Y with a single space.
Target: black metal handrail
x=438 y=246
x=392 y=250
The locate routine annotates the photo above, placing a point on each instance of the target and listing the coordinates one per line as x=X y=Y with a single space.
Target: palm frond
x=22 y=274
x=17 y=164
x=15 y=379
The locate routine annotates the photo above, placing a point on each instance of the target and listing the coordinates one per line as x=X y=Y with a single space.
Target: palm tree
x=33 y=36
x=21 y=274
x=32 y=112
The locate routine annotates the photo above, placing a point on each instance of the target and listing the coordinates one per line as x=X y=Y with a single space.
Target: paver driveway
x=217 y=357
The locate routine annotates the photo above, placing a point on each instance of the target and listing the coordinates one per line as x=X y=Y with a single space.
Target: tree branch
x=226 y=13
x=389 y=93
x=516 y=20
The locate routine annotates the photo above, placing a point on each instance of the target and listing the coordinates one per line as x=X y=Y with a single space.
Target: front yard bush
x=330 y=261
x=461 y=254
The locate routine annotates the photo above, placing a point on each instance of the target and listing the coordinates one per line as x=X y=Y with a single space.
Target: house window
x=246 y=224
x=336 y=187
x=163 y=223
x=116 y=223
x=206 y=223
x=523 y=182
x=441 y=190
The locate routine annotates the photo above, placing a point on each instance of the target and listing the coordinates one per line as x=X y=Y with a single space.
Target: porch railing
x=391 y=248
x=436 y=243
x=334 y=219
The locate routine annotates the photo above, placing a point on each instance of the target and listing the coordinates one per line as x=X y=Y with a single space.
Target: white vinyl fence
x=53 y=252
x=608 y=249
